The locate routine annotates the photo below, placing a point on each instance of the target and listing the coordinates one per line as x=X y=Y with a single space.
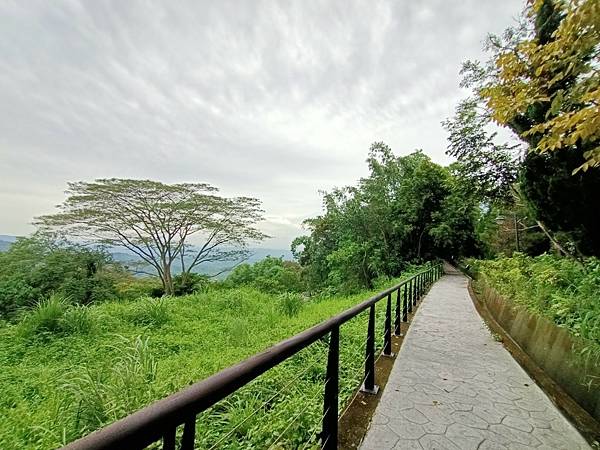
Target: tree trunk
x=168 y=279
x=557 y=245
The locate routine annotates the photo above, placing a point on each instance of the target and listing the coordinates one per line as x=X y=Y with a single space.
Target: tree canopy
x=408 y=209
x=156 y=221
x=542 y=82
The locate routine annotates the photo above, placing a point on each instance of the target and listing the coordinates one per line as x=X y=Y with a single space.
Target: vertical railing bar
x=189 y=434
x=405 y=305
x=398 y=318
x=369 y=385
x=387 y=338
x=329 y=435
x=169 y=439
x=414 y=299
x=410 y=295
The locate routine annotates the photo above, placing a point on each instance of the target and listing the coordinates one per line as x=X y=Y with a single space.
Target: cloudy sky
x=272 y=99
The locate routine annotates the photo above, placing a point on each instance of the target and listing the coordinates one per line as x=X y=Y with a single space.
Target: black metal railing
x=161 y=419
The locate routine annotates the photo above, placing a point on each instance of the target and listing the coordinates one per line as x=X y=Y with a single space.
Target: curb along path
x=454 y=387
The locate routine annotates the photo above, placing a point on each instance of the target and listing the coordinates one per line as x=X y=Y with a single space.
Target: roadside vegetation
x=558 y=288
x=538 y=193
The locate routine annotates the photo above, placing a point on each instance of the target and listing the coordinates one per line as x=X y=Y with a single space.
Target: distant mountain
x=6 y=241
x=126 y=257
x=256 y=254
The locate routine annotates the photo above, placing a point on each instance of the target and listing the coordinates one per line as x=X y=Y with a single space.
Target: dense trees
x=272 y=275
x=33 y=268
x=542 y=82
x=408 y=209
x=156 y=221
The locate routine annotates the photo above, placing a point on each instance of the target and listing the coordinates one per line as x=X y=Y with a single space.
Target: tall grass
x=45 y=317
x=58 y=389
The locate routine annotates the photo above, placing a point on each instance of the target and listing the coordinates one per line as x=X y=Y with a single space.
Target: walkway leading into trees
x=454 y=387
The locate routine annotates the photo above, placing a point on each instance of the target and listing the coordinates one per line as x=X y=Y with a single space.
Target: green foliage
x=54 y=316
x=541 y=81
x=78 y=320
x=45 y=317
x=132 y=288
x=554 y=287
x=96 y=397
x=58 y=389
x=155 y=220
x=271 y=275
x=34 y=268
x=290 y=304
x=150 y=312
x=188 y=282
x=407 y=209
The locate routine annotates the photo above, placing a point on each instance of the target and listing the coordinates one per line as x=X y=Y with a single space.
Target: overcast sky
x=273 y=99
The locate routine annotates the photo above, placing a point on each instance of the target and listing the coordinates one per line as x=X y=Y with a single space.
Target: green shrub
x=272 y=275
x=45 y=317
x=77 y=320
x=104 y=395
x=188 y=283
x=152 y=312
x=555 y=287
x=290 y=304
x=132 y=288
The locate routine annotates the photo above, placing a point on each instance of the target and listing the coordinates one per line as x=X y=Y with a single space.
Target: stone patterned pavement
x=454 y=387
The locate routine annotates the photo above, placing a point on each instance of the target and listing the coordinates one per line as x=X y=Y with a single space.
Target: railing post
x=329 y=435
x=369 y=385
x=189 y=434
x=405 y=304
x=387 y=338
x=169 y=439
x=398 y=318
x=414 y=300
x=410 y=295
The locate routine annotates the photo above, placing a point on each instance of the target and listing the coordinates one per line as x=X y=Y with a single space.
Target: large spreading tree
x=157 y=221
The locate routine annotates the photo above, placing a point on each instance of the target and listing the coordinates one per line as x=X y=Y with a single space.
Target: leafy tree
x=156 y=221
x=406 y=210
x=34 y=268
x=487 y=169
x=546 y=86
x=542 y=82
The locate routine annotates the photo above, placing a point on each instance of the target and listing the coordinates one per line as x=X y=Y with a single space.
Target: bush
x=188 y=283
x=271 y=275
x=77 y=320
x=39 y=266
x=45 y=317
x=132 y=288
x=54 y=316
x=150 y=312
x=555 y=287
x=290 y=304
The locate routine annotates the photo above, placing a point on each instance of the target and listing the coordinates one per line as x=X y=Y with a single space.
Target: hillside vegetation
x=69 y=369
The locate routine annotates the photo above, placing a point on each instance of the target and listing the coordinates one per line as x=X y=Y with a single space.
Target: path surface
x=454 y=387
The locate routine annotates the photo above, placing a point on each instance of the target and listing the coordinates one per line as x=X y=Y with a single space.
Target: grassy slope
x=58 y=387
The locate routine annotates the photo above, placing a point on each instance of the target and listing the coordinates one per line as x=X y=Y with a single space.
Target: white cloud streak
x=270 y=99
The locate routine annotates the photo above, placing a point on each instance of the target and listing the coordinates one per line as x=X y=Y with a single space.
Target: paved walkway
x=454 y=387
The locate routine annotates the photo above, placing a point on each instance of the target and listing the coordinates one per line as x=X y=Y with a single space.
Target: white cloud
x=269 y=99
